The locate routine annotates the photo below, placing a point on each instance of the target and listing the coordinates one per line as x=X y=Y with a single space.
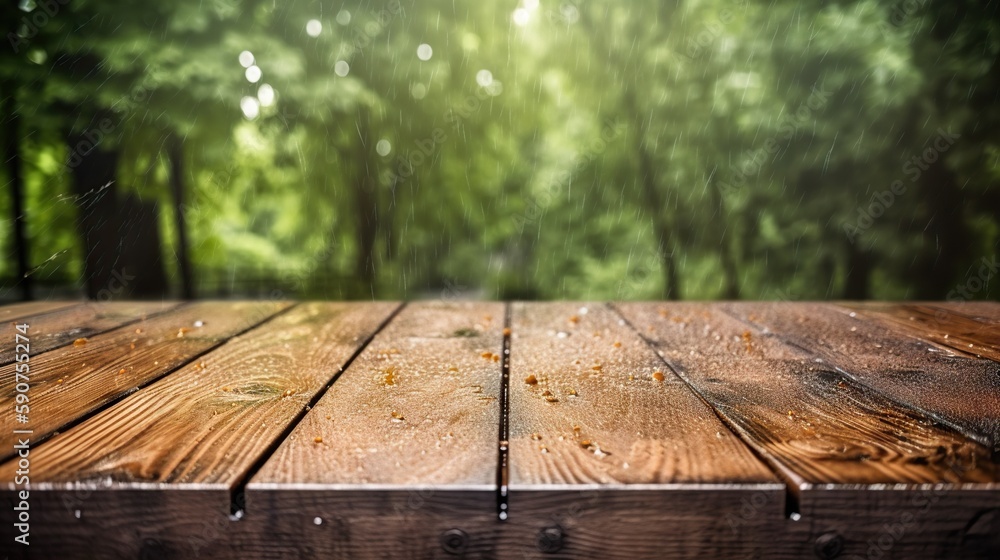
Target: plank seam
x=503 y=458
x=124 y=394
x=983 y=439
x=96 y=333
x=792 y=508
x=43 y=313
x=237 y=504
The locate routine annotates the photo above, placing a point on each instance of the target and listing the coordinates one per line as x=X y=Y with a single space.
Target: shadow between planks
x=370 y=430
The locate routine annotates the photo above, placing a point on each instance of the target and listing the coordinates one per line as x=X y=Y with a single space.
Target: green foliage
x=581 y=150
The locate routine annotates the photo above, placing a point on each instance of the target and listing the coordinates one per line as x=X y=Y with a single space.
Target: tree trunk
x=857 y=273
x=366 y=208
x=946 y=254
x=12 y=155
x=94 y=176
x=121 y=243
x=661 y=228
x=175 y=150
x=727 y=253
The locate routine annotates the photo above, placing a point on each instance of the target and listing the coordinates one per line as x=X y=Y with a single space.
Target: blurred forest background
x=646 y=149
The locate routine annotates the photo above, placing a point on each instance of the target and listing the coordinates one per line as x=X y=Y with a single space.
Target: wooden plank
x=407 y=447
x=607 y=439
x=186 y=442
x=63 y=326
x=16 y=311
x=944 y=325
x=855 y=460
x=959 y=390
x=70 y=382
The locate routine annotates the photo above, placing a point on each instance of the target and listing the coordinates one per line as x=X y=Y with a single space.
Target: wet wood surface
x=964 y=329
x=954 y=388
x=411 y=426
x=70 y=382
x=593 y=405
x=371 y=430
x=18 y=311
x=63 y=326
x=205 y=427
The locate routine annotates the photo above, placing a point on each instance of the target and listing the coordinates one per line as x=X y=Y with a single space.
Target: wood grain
x=610 y=441
x=207 y=422
x=859 y=464
x=814 y=424
x=592 y=403
x=153 y=474
x=405 y=440
x=16 y=311
x=944 y=325
x=959 y=390
x=417 y=407
x=196 y=433
x=70 y=382
x=63 y=326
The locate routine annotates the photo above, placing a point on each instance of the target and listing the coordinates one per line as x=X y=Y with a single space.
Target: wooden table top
x=448 y=429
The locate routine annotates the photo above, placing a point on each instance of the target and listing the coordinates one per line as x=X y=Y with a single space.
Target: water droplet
x=250 y=107
x=521 y=16
x=317 y=521
x=265 y=94
x=246 y=59
x=342 y=68
x=383 y=147
x=425 y=52
x=80 y=342
x=314 y=27
x=253 y=74
x=418 y=90
x=484 y=78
